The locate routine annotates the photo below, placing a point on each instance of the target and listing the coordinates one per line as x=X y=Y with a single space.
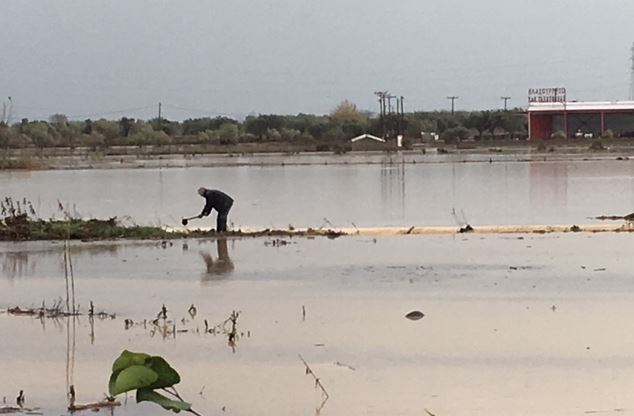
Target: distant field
x=301 y=153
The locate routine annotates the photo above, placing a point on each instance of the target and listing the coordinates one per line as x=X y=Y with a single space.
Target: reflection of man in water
x=223 y=264
x=219 y=201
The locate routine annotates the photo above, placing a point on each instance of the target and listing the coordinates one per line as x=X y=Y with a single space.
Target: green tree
x=228 y=133
x=4 y=136
x=40 y=133
x=514 y=122
x=334 y=133
x=87 y=129
x=125 y=124
x=196 y=125
x=58 y=119
x=110 y=130
x=259 y=125
x=69 y=133
x=94 y=140
x=454 y=134
x=482 y=121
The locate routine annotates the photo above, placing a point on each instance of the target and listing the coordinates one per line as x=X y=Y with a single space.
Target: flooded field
x=535 y=324
x=386 y=192
x=511 y=323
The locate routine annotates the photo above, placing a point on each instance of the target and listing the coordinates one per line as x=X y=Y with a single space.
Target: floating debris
x=277 y=243
x=192 y=311
x=415 y=315
x=55 y=311
x=349 y=367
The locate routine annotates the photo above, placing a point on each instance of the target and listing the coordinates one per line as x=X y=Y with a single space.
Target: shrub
x=597 y=146
x=558 y=135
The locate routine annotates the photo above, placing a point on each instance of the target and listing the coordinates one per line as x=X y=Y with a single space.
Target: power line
x=203 y=111
x=107 y=113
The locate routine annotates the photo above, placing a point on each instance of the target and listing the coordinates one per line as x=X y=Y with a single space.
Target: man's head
x=201 y=191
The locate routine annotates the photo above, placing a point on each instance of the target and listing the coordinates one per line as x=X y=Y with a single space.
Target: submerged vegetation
x=19 y=222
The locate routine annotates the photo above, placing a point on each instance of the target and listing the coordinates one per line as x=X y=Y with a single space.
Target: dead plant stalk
x=309 y=371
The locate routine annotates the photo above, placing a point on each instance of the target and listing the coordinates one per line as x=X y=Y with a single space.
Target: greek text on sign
x=546 y=95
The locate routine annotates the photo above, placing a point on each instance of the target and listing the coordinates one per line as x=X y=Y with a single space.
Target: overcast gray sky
x=88 y=58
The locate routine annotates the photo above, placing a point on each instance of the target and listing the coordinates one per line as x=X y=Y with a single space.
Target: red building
x=580 y=119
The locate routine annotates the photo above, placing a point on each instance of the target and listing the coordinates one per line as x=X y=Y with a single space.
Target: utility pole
x=452 y=98
x=402 y=116
x=389 y=103
x=381 y=96
x=159 y=116
x=398 y=116
x=388 y=123
x=632 y=76
x=505 y=98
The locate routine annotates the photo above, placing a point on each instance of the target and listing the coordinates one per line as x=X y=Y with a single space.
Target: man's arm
x=206 y=210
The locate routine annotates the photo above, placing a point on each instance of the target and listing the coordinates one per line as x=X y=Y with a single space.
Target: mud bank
x=418 y=230
x=490 y=229
x=25 y=229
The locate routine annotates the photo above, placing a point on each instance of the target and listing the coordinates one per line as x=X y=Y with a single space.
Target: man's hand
x=200 y=215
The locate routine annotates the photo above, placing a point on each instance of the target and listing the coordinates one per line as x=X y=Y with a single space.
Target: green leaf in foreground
x=149 y=395
x=131 y=378
x=167 y=376
x=127 y=359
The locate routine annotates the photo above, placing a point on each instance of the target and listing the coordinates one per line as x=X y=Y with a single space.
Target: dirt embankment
x=22 y=228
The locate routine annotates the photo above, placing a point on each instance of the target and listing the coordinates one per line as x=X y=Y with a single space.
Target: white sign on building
x=546 y=95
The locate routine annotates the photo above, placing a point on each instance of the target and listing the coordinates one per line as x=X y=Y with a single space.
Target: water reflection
x=19 y=264
x=393 y=188
x=221 y=265
x=16 y=265
x=548 y=184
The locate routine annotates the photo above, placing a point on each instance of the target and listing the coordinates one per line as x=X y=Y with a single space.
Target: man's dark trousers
x=221 y=220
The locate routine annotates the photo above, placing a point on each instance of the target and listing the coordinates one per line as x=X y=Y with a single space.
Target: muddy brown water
x=385 y=193
x=532 y=324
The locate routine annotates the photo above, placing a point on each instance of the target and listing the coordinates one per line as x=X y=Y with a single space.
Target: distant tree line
x=343 y=123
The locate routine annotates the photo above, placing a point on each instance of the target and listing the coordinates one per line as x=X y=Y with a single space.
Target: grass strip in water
x=22 y=228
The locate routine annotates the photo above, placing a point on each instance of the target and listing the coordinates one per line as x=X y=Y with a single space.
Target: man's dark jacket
x=217 y=200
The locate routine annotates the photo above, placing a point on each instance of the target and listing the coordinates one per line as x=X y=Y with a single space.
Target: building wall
x=621 y=124
x=578 y=123
x=541 y=126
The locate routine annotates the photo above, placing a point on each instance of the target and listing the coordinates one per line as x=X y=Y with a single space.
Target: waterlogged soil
x=513 y=324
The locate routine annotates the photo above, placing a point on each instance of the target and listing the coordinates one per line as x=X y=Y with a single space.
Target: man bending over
x=219 y=201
